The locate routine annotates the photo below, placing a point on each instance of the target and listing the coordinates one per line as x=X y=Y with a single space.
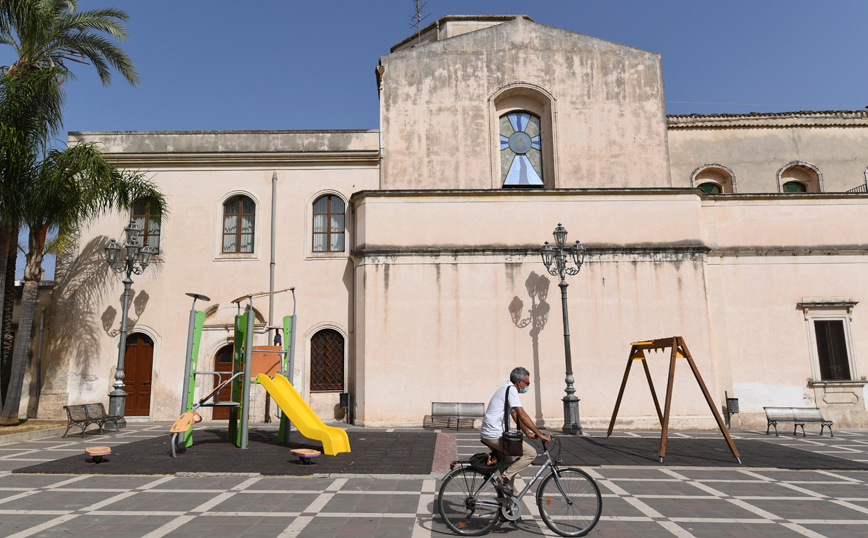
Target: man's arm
x=527 y=425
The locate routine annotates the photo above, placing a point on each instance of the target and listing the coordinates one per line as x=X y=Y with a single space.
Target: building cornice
x=221 y=160
x=360 y=196
x=771 y=120
x=517 y=193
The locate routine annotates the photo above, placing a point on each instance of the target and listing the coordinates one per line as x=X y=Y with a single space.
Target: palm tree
x=65 y=189
x=30 y=112
x=53 y=33
x=47 y=36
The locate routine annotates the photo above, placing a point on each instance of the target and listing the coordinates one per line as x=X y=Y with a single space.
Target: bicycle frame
x=549 y=464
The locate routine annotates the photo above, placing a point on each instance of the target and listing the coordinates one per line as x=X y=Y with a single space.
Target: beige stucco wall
x=439 y=125
x=771 y=253
x=755 y=149
x=88 y=298
x=435 y=320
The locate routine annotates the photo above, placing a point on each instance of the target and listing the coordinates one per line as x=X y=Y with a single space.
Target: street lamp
x=136 y=261
x=556 y=259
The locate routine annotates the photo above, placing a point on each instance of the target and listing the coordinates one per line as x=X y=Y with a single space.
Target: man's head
x=520 y=377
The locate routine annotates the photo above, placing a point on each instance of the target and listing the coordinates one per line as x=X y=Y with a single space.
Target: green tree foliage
x=45 y=190
x=64 y=190
x=54 y=33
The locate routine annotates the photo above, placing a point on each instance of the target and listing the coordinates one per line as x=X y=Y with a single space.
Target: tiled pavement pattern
x=646 y=501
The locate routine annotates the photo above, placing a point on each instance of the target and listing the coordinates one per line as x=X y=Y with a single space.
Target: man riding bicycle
x=493 y=427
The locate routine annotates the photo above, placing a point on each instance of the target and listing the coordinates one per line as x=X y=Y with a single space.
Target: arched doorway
x=138 y=364
x=223 y=363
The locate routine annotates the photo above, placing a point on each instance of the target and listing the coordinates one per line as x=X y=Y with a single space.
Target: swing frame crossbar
x=678 y=351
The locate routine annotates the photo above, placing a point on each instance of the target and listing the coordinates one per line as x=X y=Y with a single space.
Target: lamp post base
x=117 y=405
x=572 y=426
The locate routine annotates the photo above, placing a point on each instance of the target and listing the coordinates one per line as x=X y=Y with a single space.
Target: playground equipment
x=679 y=351
x=97 y=453
x=251 y=364
x=334 y=440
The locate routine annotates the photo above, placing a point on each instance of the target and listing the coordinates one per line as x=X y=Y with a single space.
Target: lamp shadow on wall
x=138 y=304
x=537 y=287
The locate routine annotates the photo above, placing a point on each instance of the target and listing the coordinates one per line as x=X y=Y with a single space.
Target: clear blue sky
x=287 y=64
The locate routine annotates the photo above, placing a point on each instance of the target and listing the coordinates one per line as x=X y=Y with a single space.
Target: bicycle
x=568 y=499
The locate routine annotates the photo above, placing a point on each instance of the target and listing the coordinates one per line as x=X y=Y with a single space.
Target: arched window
x=799 y=176
x=148 y=223
x=328 y=224
x=795 y=186
x=327 y=361
x=520 y=150
x=239 y=216
x=714 y=179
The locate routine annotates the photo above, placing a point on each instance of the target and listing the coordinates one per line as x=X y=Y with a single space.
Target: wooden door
x=138 y=364
x=223 y=363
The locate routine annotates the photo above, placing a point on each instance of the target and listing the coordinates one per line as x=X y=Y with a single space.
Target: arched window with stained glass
x=520 y=150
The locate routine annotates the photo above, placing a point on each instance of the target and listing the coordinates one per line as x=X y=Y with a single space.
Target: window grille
x=327 y=361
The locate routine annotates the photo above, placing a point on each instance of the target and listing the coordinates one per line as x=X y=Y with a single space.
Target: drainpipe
x=381 y=70
x=271 y=277
x=273 y=229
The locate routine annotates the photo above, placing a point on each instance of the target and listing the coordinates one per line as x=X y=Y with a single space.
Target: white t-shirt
x=492 y=422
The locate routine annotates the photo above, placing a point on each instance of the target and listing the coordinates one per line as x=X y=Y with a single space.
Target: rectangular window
x=832 y=350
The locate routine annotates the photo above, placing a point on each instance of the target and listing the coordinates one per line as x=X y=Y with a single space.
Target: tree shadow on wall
x=82 y=282
x=537 y=287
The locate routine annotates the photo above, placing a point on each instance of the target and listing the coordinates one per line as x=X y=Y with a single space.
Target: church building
x=414 y=248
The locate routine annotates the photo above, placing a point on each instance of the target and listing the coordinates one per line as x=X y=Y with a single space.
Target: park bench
x=83 y=415
x=797 y=416
x=457 y=411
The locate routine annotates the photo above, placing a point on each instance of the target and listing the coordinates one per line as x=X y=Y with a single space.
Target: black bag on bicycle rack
x=510 y=442
x=483 y=462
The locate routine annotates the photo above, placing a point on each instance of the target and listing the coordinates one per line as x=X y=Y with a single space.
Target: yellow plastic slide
x=334 y=440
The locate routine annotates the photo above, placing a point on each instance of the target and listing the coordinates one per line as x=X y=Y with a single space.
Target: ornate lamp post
x=556 y=260
x=136 y=261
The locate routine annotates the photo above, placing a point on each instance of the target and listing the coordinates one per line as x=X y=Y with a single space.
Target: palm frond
x=32 y=102
x=50 y=33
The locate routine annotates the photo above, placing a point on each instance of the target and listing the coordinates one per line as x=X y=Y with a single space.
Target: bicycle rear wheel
x=576 y=513
x=467 y=504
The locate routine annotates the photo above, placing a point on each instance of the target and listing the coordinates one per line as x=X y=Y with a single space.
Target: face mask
x=525 y=389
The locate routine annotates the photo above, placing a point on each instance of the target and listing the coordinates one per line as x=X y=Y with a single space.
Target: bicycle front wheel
x=572 y=509
x=467 y=504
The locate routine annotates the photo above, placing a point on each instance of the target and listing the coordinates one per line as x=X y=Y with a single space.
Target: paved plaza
x=640 y=499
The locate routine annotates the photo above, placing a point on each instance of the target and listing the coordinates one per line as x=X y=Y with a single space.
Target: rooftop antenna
x=417 y=18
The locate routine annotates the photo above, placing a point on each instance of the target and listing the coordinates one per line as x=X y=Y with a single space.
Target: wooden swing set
x=679 y=351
